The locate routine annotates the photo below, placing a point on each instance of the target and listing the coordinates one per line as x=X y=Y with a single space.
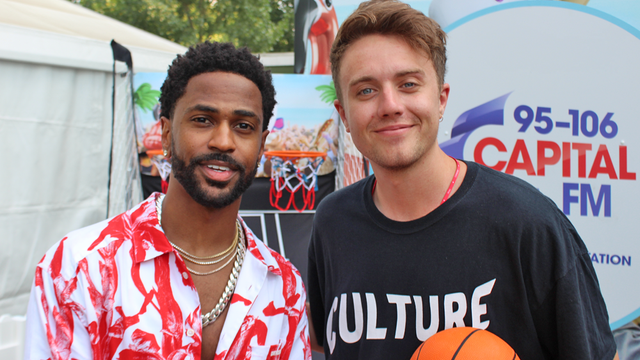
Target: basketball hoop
x=292 y=170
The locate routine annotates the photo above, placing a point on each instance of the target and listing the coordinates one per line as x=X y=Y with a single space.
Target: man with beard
x=180 y=276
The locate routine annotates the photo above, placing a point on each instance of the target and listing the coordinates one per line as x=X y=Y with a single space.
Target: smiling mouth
x=394 y=128
x=218 y=168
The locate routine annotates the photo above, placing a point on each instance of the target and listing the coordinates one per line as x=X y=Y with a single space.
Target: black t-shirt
x=498 y=255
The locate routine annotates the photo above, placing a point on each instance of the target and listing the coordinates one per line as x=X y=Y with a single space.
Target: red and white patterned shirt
x=118 y=290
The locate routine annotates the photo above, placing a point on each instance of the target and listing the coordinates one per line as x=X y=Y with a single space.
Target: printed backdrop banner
x=304 y=118
x=548 y=91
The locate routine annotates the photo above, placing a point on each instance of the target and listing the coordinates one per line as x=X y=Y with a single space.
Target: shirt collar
x=149 y=240
x=147 y=236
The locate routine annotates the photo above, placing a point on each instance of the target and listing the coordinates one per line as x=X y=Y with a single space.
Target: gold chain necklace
x=238 y=250
x=233 y=245
x=204 y=263
x=193 y=259
x=230 y=288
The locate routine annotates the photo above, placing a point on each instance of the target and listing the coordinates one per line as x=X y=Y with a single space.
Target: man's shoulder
x=514 y=201
x=83 y=243
x=345 y=198
x=275 y=262
x=499 y=178
x=507 y=187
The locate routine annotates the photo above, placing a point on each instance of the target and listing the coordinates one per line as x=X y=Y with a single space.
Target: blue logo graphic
x=489 y=113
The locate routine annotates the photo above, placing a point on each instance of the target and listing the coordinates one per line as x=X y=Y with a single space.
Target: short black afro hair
x=210 y=57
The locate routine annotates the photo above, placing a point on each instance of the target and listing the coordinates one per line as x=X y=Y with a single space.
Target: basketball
x=464 y=343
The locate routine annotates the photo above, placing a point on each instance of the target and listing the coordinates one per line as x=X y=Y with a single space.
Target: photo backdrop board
x=304 y=117
x=556 y=105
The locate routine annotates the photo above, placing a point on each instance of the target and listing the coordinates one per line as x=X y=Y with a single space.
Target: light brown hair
x=391 y=17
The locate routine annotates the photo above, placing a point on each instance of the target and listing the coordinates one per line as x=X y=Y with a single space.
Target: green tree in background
x=261 y=25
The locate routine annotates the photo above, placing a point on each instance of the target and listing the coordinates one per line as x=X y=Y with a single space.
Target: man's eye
x=366 y=91
x=409 y=85
x=200 y=119
x=244 y=126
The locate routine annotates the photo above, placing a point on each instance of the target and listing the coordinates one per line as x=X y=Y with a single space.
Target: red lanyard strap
x=446 y=195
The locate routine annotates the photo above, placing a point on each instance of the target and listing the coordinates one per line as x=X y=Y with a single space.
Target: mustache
x=217 y=157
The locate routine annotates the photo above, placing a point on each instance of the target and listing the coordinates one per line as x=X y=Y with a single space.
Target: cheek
x=358 y=117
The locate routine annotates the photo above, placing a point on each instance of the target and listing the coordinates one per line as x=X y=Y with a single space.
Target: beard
x=185 y=175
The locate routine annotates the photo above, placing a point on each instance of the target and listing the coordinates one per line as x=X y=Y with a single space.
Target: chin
x=395 y=160
x=217 y=201
x=217 y=195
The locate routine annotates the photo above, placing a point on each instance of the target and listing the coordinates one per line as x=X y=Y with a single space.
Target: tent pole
x=113 y=120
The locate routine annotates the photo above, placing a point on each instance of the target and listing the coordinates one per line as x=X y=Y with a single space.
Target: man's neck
x=411 y=193
x=197 y=229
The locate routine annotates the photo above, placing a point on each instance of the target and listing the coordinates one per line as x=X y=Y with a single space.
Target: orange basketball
x=464 y=343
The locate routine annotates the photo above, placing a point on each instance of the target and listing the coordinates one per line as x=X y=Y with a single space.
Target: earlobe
x=341 y=112
x=444 y=98
x=166 y=136
x=263 y=142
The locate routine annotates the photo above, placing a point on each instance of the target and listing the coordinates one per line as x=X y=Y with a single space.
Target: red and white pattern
x=118 y=290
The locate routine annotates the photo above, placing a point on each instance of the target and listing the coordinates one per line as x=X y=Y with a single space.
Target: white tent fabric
x=56 y=86
x=63 y=17
x=58 y=97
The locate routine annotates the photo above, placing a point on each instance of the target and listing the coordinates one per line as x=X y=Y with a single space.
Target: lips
x=394 y=129
x=219 y=168
x=218 y=171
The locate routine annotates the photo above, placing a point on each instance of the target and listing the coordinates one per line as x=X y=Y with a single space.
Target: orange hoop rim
x=293 y=154
x=154 y=152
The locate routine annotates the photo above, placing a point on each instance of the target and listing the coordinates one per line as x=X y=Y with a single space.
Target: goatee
x=185 y=174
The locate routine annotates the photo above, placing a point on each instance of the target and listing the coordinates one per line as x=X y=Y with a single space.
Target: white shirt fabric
x=118 y=290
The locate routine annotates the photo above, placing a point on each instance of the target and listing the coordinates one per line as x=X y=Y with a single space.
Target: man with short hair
x=180 y=276
x=430 y=242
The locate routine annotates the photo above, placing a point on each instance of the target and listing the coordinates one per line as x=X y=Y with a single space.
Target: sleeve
x=314 y=282
x=53 y=328
x=581 y=327
x=301 y=348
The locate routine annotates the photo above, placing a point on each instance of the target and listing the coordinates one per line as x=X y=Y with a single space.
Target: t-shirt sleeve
x=314 y=291
x=581 y=328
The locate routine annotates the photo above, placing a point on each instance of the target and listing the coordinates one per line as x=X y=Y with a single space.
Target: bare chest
x=210 y=289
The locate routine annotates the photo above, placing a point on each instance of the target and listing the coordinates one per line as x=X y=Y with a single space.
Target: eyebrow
x=360 y=80
x=410 y=72
x=206 y=108
x=246 y=113
x=397 y=75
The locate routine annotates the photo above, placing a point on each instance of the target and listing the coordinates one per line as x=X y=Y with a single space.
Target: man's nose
x=390 y=104
x=222 y=138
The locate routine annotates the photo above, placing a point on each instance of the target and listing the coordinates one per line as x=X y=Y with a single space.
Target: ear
x=343 y=117
x=262 y=142
x=166 y=135
x=444 y=97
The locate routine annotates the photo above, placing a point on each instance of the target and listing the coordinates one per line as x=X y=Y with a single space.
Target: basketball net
x=351 y=165
x=294 y=171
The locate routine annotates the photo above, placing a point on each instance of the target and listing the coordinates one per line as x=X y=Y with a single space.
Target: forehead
x=376 y=53
x=221 y=90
